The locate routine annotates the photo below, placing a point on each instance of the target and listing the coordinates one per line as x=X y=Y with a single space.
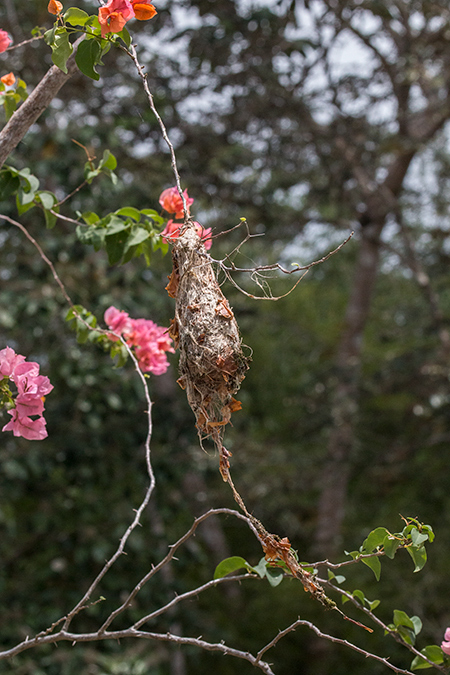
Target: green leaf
x=46 y=198
x=402 y=619
x=50 y=219
x=372 y=604
x=374 y=564
x=79 y=309
x=10 y=105
x=230 y=565
x=87 y=57
x=32 y=183
x=23 y=208
x=90 y=174
x=118 y=349
x=375 y=539
x=359 y=595
x=90 y=217
x=137 y=236
x=129 y=212
x=115 y=225
x=49 y=35
x=261 y=568
x=432 y=652
x=274 y=575
x=9 y=184
x=417 y=537
x=154 y=215
x=417 y=624
x=390 y=545
x=419 y=556
x=92 y=236
x=115 y=246
x=353 y=554
x=124 y=34
x=61 y=49
x=108 y=161
x=407 y=635
x=429 y=530
x=75 y=16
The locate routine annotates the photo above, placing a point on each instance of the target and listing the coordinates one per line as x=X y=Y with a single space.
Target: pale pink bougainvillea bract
x=31 y=391
x=445 y=645
x=150 y=342
x=5 y=41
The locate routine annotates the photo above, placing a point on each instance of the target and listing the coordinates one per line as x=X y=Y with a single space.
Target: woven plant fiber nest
x=212 y=364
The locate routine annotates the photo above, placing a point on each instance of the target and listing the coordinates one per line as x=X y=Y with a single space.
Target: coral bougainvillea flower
x=143 y=11
x=171 y=201
x=114 y=15
x=150 y=342
x=172 y=232
x=8 y=79
x=55 y=7
x=445 y=646
x=31 y=391
x=5 y=41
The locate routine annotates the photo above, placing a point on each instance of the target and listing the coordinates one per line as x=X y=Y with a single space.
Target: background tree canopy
x=309 y=119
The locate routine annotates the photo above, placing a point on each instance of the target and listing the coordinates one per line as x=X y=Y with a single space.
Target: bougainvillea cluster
x=27 y=407
x=171 y=202
x=149 y=341
x=114 y=15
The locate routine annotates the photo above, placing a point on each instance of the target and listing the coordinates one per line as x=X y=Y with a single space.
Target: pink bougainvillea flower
x=28 y=381
x=5 y=41
x=8 y=79
x=8 y=361
x=32 y=430
x=31 y=391
x=143 y=10
x=171 y=201
x=172 y=232
x=114 y=15
x=54 y=7
x=119 y=322
x=27 y=404
x=445 y=646
x=150 y=342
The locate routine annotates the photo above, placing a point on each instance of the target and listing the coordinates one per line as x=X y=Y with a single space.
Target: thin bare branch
x=43 y=256
x=172 y=550
x=336 y=640
x=191 y=594
x=140 y=69
x=397 y=637
x=74 y=638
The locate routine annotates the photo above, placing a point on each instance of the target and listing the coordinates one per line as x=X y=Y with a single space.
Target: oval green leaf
x=230 y=565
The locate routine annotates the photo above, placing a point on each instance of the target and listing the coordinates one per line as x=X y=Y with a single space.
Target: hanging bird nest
x=212 y=363
x=212 y=367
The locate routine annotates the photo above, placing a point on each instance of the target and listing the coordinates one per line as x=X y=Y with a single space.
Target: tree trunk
x=336 y=473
